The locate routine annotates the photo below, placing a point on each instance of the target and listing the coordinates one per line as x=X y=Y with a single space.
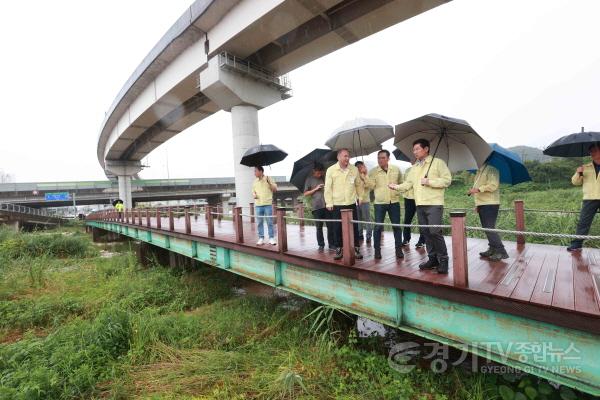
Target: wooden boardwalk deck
x=541 y=282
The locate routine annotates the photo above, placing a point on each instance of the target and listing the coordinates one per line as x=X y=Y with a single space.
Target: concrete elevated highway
x=213 y=190
x=230 y=55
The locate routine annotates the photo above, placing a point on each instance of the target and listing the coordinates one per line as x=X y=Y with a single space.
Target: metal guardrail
x=23 y=209
x=234 y=63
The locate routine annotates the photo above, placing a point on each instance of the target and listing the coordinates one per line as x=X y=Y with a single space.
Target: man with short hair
x=386 y=200
x=486 y=191
x=364 y=202
x=342 y=188
x=314 y=187
x=588 y=177
x=429 y=181
x=262 y=191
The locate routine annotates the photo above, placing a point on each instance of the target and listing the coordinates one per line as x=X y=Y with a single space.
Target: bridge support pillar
x=124 y=170
x=241 y=88
x=15 y=225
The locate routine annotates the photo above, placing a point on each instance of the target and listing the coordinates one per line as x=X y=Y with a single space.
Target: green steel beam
x=562 y=355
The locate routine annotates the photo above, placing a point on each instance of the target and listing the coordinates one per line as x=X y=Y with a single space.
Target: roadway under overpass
x=231 y=55
x=212 y=190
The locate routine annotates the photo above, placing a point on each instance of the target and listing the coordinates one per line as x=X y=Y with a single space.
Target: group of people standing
x=345 y=186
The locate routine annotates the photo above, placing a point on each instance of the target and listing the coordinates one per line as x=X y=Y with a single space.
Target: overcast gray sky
x=521 y=72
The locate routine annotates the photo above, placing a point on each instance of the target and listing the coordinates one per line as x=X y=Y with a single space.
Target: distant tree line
x=558 y=170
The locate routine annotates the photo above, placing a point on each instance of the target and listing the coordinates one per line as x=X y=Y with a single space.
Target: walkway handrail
x=23 y=209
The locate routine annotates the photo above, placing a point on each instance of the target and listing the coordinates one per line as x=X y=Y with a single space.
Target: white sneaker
x=260 y=242
x=272 y=241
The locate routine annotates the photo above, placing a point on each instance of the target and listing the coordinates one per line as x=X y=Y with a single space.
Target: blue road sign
x=60 y=196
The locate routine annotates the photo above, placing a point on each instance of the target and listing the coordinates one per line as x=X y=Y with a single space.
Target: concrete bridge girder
x=242 y=96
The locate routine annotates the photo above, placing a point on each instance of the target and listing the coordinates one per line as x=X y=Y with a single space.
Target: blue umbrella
x=509 y=164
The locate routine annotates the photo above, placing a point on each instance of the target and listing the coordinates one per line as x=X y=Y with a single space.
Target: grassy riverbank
x=81 y=321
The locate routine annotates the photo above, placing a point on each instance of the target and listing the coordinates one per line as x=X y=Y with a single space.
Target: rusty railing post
x=126 y=213
x=520 y=220
x=148 y=224
x=219 y=212
x=171 y=220
x=281 y=230
x=252 y=213
x=158 y=218
x=211 y=221
x=237 y=225
x=140 y=217
x=300 y=206
x=188 y=221
x=460 y=263
x=347 y=238
x=195 y=212
x=132 y=216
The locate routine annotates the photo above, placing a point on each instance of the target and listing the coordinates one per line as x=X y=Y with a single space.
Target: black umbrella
x=264 y=154
x=573 y=145
x=400 y=156
x=117 y=201
x=304 y=166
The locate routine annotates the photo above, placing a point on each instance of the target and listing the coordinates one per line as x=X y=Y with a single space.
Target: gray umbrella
x=573 y=145
x=452 y=140
x=361 y=136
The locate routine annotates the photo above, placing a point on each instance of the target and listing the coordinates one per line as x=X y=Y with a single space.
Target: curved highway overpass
x=230 y=55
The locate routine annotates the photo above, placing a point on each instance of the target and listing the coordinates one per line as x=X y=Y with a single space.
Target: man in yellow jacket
x=486 y=191
x=587 y=176
x=262 y=191
x=342 y=189
x=429 y=181
x=386 y=200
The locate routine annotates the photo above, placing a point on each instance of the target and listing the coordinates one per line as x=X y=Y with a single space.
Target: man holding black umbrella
x=429 y=180
x=588 y=177
x=262 y=191
x=314 y=187
x=342 y=189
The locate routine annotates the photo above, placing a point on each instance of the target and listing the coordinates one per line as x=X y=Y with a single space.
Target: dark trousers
x=393 y=211
x=432 y=215
x=488 y=214
x=410 y=209
x=323 y=213
x=337 y=227
x=589 y=208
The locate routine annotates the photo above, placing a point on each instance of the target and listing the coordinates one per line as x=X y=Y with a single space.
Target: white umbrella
x=362 y=136
x=452 y=140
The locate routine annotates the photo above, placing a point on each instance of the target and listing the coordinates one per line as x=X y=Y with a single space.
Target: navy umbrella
x=304 y=166
x=573 y=145
x=264 y=154
x=400 y=156
x=509 y=165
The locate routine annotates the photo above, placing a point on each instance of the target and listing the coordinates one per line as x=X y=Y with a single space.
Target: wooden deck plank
x=583 y=286
x=563 y=294
x=544 y=286
x=526 y=284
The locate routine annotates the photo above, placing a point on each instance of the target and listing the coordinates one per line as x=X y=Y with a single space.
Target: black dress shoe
x=419 y=245
x=429 y=264
x=399 y=253
x=573 y=248
x=443 y=267
x=378 y=254
x=406 y=243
